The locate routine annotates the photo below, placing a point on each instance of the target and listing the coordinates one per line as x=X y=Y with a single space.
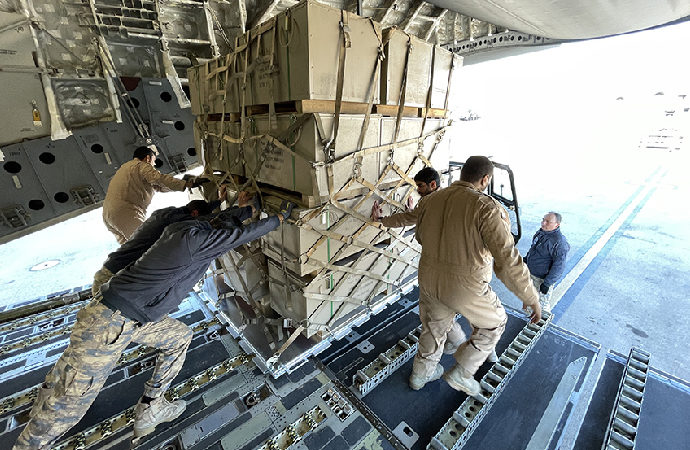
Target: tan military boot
x=456 y=378
x=419 y=381
x=450 y=347
x=146 y=417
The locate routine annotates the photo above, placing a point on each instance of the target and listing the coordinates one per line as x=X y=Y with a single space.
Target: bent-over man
x=133 y=307
x=149 y=232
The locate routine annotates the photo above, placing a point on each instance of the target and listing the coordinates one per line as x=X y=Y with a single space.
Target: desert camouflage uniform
x=98 y=339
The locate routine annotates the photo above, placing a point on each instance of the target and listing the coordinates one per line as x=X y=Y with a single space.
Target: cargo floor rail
x=458 y=429
x=366 y=379
x=625 y=416
x=94 y=435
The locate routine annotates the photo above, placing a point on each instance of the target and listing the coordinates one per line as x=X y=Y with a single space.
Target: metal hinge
x=178 y=163
x=14 y=216
x=85 y=195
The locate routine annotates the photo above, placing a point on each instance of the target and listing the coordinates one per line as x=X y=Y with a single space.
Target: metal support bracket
x=625 y=417
x=458 y=429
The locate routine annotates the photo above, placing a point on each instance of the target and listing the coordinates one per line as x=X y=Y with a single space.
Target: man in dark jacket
x=149 y=232
x=133 y=307
x=546 y=257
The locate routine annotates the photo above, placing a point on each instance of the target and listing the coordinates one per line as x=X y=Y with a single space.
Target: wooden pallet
x=328 y=107
x=410 y=111
x=308 y=107
x=308 y=201
x=229 y=117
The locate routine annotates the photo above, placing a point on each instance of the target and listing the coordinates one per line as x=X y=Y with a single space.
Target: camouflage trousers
x=98 y=338
x=544 y=299
x=102 y=276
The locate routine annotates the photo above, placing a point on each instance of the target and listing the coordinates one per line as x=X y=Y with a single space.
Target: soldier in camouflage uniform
x=133 y=307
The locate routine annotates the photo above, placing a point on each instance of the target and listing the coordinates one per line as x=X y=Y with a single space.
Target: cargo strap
x=345 y=43
x=400 y=247
x=458 y=429
x=372 y=87
x=401 y=97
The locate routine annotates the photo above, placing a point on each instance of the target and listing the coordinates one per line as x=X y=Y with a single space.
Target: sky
x=558 y=104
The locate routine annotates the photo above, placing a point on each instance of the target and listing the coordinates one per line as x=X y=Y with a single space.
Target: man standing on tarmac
x=428 y=181
x=133 y=307
x=464 y=233
x=546 y=257
x=130 y=192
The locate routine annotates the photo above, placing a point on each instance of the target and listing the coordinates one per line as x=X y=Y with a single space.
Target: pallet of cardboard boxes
x=309 y=107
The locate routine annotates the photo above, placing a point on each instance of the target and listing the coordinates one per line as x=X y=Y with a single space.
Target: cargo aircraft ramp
x=354 y=393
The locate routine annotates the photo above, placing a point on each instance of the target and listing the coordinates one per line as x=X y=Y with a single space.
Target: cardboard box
x=303 y=172
x=331 y=300
x=296 y=172
x=393 y=67
x=295 y=55
x=219 y=154
x=207 y=87
x=442 y=66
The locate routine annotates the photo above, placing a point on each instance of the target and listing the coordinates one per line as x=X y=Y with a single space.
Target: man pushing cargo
x=464 y=233
x=149 y=232
x=428 y=181
x=131 y=189
x=133 y=307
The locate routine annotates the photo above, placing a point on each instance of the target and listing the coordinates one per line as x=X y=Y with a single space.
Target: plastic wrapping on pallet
x=246 y=270
x=327 y=300
x=332 y=232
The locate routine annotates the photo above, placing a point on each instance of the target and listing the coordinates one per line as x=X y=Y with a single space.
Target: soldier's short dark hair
x=475 y=168
x=427 y=175
x=557 y=216
x=142 y=152
x=202 y=206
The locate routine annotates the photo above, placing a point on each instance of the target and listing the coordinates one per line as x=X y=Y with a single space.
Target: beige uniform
x=129 y=194
x=464 y=233
x=406 y=219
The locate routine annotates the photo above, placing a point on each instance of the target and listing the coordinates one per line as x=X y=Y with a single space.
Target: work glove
x=198 y=181
x=544 y=288
x=256 y=203
x=286 y=209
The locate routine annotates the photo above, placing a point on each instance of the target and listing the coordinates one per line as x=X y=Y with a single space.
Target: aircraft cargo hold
x=314 y=122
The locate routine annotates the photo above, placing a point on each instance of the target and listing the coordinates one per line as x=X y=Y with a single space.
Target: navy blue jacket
x=149 y=232
x=158 y=281
x=546 y=258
